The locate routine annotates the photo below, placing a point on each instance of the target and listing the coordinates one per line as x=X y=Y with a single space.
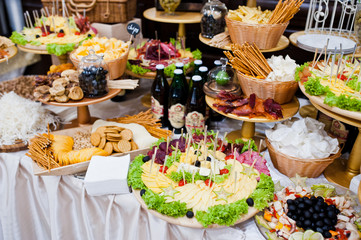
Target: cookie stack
x=113 y=139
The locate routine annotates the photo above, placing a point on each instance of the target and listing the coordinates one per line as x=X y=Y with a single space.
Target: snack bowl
x=281 y=92
x=290 y=166
x=116 y=67
x=265 y=36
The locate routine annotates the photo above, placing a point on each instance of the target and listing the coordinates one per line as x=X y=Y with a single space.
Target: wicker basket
x=116 y=67
x=101 y=11
x=290 y=166
x=265 y=36
x=281 y=92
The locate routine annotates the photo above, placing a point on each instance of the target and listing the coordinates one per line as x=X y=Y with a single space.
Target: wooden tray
x=14 y=147
x=319 y=101
x=85 y=101
x=288 y=110
x=190 y=222
x=77 y=167
x=282 y=44
x=13 y=50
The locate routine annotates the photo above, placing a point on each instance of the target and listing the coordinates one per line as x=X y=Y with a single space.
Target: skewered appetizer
x=56 y=34
x=4 y=44
x=336 y=81
x=193 y=177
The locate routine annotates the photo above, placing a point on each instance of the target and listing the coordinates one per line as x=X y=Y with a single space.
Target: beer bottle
x=196 y=105
x=159 y=98
x=204 y=74
x=180 y=65
x=197 y=64
x=176 y=103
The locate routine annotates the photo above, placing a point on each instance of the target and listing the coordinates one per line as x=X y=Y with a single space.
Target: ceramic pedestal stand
x=248 y=127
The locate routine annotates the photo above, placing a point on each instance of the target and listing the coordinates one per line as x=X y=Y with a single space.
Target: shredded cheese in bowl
x=21 y=119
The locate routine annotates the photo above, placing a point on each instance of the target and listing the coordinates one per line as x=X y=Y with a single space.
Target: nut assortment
x=113 y=139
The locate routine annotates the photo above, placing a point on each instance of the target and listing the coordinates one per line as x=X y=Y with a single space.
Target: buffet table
x=51 y=207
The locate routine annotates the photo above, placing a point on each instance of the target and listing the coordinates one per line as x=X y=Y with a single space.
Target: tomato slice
x=208 y=182
x=165 y=169
x=182 y=182
x=223 y=171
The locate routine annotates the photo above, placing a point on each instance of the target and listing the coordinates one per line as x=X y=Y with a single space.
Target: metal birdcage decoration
x=324 y=26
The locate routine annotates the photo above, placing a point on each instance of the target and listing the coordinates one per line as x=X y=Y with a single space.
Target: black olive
x=332 y=228
x=294 y=217
x=250 y=202
x=319 y=223
x=311 y=210
x=317 y=208
x=209 y=159
x=299 y=211
x=197 y=164
x=289 y=214
x=302 y=219
x=146 y=159
x=37 y=36
x=142 y=192
x=299 y=223
x=61 y=31
x=318 y=229
x=315 y=216
x=307 y=223
x=322 y=215
x=195 y=152
x=337 y=211
x=327 y=234
x=301 y=206
x=89 y=35
x=308 y=201
x=319 y=198
x=289 y=201
x=307 y=214
x=331 y=214
x=190 y=214
x=327 y=221
x=292 y=207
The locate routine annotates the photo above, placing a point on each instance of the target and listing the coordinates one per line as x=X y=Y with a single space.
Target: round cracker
x=108 y=147
x=102 y=143
x=134 y=145
x=115 y=146
x=95 y=139
x=126 y=134
x=124 y=146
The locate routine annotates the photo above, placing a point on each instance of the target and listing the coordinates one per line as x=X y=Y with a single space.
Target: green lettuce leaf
x=35 y=43
x=135 y=173
x=245 y=144
x=264 y=192
x=157 y=143
x=157 y=202
x=174 y=157
x=197 y=54
x=59 y=49
x=314 y=87
x=330 y=99
x=343 y=101
x=169 y=70
x=354 y=84
x=221 y=178
x=177 y=176
x=137 y=69
x=18 y=38
x=298 y=70
x=226 y=214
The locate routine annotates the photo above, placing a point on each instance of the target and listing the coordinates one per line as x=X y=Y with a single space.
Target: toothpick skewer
x=353 y=53
x=224 y=137
x=353 y=71
x=215 y=141
x=151 y=163
x=187 y=150
x=184 y=177
x=30 y=22
x=314 y=57
x=165 y=163
x=26 y=20
x=176 y=149
x=332 y=65
x=47 y=11
x=235 y=182
x=260 y=145
x=166 y=150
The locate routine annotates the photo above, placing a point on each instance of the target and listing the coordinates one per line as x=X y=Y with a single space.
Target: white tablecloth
x=52 y=207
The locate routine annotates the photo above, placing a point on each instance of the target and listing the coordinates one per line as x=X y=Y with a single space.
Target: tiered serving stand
x=341 y=171
x=248 y=127
x=83 y=113
x=62 y=58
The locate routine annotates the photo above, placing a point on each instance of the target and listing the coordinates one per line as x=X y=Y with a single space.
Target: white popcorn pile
x=283 y=69
x=304 y=139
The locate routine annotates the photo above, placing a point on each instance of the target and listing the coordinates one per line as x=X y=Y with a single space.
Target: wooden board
x=14 y=147
x=13 y=50
x=319 y=101
x=190 y=222
x=282 y=44
x=78 y=167
x=288 y=110
x=85 y=101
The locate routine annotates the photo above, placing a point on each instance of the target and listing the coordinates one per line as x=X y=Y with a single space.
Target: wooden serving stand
x=282 y=44
x=62 y=58
x=248 y=127
x=13 y=50
x=181 y=18
x=339 y=171
x=84 y=117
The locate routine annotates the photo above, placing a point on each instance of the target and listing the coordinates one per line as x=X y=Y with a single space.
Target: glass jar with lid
x=93 y=75
x=222 y=78
x=213 y=22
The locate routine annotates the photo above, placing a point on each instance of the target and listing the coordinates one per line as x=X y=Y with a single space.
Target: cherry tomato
x=342 y=77
x=161 y=169
x=208 y=182
x=231 y=156
x=223 y=171
x=44 y=34
x=182 y=182
x=77 y=33
x=60 y=34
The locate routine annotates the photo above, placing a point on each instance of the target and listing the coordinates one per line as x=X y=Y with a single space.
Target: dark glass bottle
x=197 y=64
x=177 y=102
x=180 y=65
x=196 y=105
x=204 y=73
x=159 y=98
x=120 y=97
x=214 y=116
